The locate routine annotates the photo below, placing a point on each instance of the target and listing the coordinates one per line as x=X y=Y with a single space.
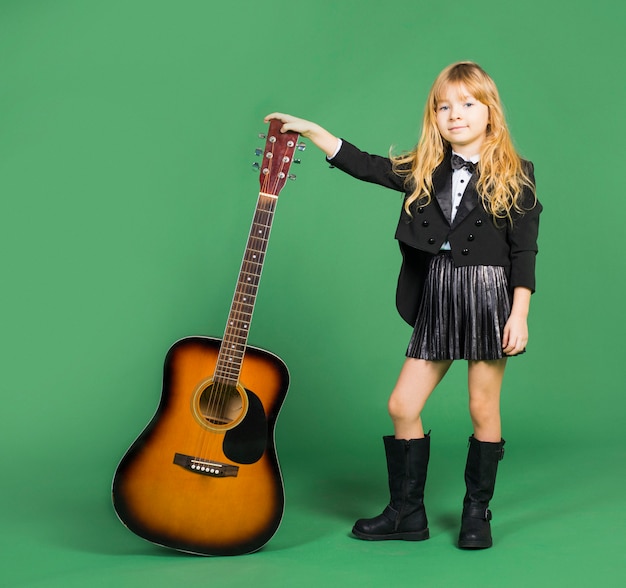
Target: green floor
x=553 y=526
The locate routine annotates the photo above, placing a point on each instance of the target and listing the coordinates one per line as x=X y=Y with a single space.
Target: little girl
x=468 y=236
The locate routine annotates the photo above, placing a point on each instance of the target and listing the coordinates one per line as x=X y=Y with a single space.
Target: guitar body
x=195 y=481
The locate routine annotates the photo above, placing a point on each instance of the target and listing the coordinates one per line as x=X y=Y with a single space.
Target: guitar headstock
x=277 y=158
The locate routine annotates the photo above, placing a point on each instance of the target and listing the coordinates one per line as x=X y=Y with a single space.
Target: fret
x=258 y=242
x=233 y=358
x=236 y=351
x=250 y=271
x=233 y=335
x=252 y=266
x=254 y=258
x=228 y=369
x=257 y=248
x=224 y=370
x=244 y=298
x=239 y=309
x=246 y=289
x=238 y=323
x=240 y=333
x=232 y=347
x=246 y=277
x=249 y=287
x=226 y=379
x=229 y=366
x=253 y=250
x=249 y=294
x=238 y=330
x=260 y=224
x=240 y=314
x=260 y=234
x=254 y=261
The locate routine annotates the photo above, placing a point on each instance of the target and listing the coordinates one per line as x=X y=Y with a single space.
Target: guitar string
x=234 y=341
x=245 y=298
x=253 y=264
x=220 y=392
x=240 y=317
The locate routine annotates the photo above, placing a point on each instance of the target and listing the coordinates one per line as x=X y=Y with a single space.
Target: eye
x=443 y=107
x=468 y=104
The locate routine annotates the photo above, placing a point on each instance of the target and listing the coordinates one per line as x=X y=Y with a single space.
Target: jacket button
x=470 y=237
x=479 y=222
x=420 y=210
x=431 y=241
x=425 y=223
x=465 y=252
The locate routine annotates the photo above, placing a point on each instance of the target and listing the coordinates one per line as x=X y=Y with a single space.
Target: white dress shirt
x=460 y=179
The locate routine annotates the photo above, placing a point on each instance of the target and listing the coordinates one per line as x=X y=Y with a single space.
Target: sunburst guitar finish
x=203 y=477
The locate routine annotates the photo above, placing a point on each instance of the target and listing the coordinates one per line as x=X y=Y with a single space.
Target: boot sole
x=474 y=545
x=406 y=536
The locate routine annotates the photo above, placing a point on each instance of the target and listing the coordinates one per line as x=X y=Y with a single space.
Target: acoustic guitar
x=203 y=477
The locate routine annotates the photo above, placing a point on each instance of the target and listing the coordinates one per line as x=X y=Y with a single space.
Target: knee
x=398 y=408
x=477 y=406
x=483 y=412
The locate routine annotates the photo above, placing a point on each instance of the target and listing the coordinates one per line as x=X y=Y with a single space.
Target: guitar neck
x=237 y=329
x=277 y=159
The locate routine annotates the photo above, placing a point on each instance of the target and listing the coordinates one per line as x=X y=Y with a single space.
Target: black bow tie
x=458 y=163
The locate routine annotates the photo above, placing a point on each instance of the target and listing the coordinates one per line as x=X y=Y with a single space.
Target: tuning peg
x=291 y=177
x=301 y=146
x=298 y=161
x=256 y=166
x=262 y=135
x=258 y=152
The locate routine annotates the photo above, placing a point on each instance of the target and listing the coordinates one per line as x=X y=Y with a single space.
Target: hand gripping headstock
x=277 y=158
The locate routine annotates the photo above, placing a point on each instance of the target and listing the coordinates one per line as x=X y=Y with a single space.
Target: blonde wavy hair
x=501 y=173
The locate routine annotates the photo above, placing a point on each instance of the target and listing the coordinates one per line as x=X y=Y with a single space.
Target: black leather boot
x=404 y=517
x=480 y=481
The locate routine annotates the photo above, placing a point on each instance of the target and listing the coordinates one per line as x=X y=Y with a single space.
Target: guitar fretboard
x=235 y=338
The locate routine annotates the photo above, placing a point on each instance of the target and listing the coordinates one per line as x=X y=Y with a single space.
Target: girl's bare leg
x=485 y=383
x=417 y=379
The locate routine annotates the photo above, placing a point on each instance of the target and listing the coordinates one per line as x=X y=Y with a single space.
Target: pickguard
x=246 y=442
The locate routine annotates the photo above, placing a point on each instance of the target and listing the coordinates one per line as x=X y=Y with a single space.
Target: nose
x=455 y=112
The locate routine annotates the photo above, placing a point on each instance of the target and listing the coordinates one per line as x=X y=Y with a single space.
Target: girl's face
x=462 y=120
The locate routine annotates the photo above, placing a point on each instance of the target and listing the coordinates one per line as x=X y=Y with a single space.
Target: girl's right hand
x=310 y=130
x=292 y=123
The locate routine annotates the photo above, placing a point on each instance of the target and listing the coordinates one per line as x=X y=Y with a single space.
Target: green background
x=127 y=130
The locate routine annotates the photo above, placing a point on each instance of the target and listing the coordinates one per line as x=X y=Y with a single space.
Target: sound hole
x=221 y=404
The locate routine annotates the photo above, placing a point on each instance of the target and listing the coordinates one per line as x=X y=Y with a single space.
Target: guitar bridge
x=205 y=467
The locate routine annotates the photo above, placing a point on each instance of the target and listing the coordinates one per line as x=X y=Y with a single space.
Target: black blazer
x=475 y=238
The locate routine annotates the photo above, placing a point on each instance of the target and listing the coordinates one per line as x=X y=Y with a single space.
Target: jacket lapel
x=442 y=186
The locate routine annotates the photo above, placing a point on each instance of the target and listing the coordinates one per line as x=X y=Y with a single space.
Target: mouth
x=452 y=129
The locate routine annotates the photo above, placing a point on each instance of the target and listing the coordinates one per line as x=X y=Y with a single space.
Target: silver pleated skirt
x=462 y=312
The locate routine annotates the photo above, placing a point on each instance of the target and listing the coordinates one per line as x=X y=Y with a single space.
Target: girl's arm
x=515 y=335
x=359 y=164
x=321 y=137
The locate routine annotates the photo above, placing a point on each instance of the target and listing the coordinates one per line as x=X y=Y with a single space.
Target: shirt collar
x=473 y=158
